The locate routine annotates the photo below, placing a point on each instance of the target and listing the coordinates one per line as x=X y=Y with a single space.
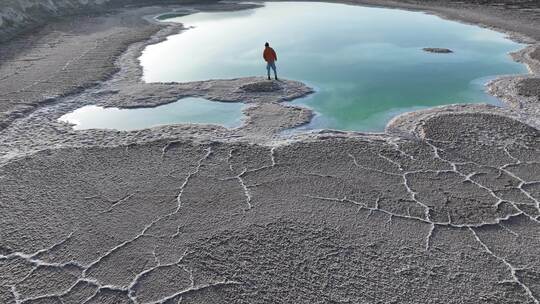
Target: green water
x=187 y=110
x=367 y=64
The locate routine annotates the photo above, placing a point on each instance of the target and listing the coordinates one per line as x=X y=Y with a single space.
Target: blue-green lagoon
x=367 y=64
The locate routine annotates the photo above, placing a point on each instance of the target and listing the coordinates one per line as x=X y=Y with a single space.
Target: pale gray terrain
x=443 y=207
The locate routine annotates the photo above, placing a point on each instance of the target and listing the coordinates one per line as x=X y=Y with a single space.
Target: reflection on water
x=367 y=63
x=187 y=110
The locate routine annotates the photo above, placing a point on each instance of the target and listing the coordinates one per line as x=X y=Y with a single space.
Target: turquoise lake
x=367 y=64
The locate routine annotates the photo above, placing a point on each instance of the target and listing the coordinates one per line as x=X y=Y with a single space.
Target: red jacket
x=269 y=54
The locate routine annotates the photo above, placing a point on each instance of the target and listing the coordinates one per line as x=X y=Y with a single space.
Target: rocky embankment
x=18 y=16
x=438 y=50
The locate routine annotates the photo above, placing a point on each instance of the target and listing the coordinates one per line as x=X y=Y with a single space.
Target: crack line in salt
x=505 y=262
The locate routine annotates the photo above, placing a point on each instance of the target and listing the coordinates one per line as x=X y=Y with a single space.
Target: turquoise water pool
x=186 y=110
x=367 y=64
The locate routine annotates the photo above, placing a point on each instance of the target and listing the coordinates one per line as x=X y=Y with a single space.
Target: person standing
x=270 y=57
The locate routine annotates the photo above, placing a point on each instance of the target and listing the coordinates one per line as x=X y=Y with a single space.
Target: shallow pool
x=187 y=110
x=366 y=63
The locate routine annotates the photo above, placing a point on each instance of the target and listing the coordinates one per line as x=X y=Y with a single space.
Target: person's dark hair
x=267 y=44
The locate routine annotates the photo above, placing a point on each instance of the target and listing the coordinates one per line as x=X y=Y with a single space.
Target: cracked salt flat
x=387 y=165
